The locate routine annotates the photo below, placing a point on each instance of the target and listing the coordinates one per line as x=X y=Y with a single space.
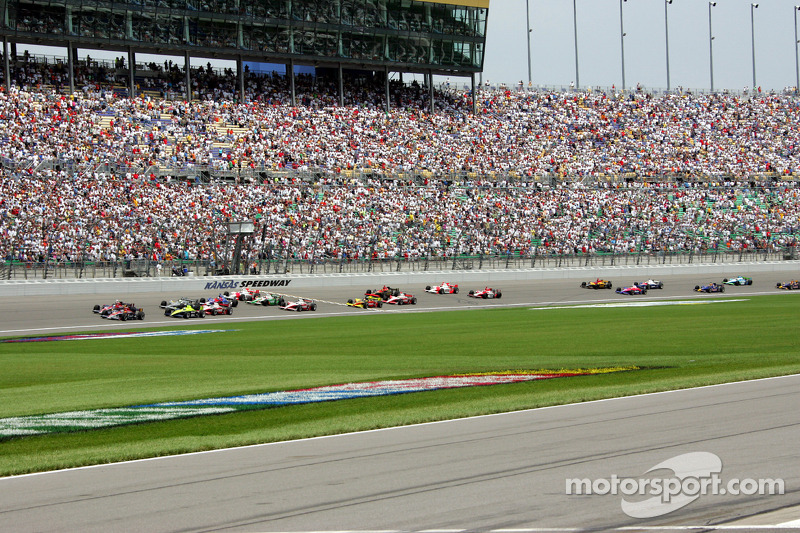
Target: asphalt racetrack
x=497 y=473
x=42 y=315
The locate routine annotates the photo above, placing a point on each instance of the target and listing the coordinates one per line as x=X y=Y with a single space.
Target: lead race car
x=444 y=288
x=711 y=287
x=634 y=289
x=789 y=285
x=739 y=280
x=126 y=312
x=106 y=309
x=301 y=304
x=596 y=284
x=486 y=293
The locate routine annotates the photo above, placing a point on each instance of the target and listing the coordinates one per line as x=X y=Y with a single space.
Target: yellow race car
x=596 y=284
x=365 y=303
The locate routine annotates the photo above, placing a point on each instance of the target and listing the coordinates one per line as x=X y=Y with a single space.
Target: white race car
x=444 y=288
x=486 y=293
x=650 y=284
x=302 y=304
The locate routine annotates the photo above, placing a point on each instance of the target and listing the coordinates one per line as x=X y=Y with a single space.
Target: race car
x=444 y=288
x=632 y=290
x=650 y=284
x=401 y=298
x=790 y=286
x=486 y=293
x=267 y=298
x=217 y=307
x=244 y=295
x=711 y=287
x=126 y=312
x=366 y=303
x=105 y=309
x=302 y=304
x=190 y=310
x=384 y=294
x=596 y=284
x=180 y=302
x=741 y=280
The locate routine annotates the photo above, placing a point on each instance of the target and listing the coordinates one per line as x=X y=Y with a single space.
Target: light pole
x=666 y=36
x=711 y=46
x=622 y=43
x=575 y=33
x=528 y=18
x=753 y=41
x=796 y=59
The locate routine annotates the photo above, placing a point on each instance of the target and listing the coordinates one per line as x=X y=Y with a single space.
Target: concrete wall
x=283 y=284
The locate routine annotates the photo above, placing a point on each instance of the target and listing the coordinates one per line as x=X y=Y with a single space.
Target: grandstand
x=430 y=37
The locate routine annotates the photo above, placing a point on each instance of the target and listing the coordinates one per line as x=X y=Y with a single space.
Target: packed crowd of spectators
x=104 y=218
x=68 y=212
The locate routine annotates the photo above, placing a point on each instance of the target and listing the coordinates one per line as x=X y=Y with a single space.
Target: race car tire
x=202 y=300
x=498 y=294
x=724 y=280
x=201 y=314
x=660 y=285
x=140 y=315
x=380 y=304
x=455 y=291
x=749 y=281
x=594 y=287
x=484 y=296
x=313 y=307
x=226 y=293
x=644 y=291
x=163 y=303
x=697 y=287
x=298 y=309
x=428 y=287
x=350 y=301
x=235 y=303
x=583 y=284
x=281 y=302
x=471 y=293
x=441 y=291
x=229 y=312
x=722 y=289
x=778 y=286
x=608 y=286
x=96 y=308
x=123 y=317
x=414 y=300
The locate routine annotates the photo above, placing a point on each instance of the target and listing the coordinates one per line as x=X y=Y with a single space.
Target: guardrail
x=143 y=268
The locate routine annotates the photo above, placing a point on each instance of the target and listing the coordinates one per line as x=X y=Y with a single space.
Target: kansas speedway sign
x=246 y=284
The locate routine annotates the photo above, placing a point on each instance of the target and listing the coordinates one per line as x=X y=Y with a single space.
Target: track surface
x=489 y=473
x=47 y=314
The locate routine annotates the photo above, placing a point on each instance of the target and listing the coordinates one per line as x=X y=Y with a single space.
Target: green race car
x=267 y=298
x=741 y=280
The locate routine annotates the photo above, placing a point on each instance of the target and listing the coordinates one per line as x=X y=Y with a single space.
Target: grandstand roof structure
x=445 y=37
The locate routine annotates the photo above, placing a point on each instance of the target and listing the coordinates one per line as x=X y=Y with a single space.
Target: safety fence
x=290 y=265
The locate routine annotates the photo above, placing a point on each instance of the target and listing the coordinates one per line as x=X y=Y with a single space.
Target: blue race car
x=711 y=287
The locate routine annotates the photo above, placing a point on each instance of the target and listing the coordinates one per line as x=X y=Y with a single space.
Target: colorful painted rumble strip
x=103 y=418
x=116 y=335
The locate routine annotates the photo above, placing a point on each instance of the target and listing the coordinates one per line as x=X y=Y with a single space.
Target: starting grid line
x=722 y=527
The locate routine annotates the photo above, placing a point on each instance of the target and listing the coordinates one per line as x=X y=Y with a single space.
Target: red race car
x=444 y=288
x=486 y=293
x=384 y=294
x=302 y=304
x=401 y=298
x=245 y=295
x=632 y=290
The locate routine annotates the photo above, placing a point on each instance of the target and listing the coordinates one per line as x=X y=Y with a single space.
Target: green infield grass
x=674 y=347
